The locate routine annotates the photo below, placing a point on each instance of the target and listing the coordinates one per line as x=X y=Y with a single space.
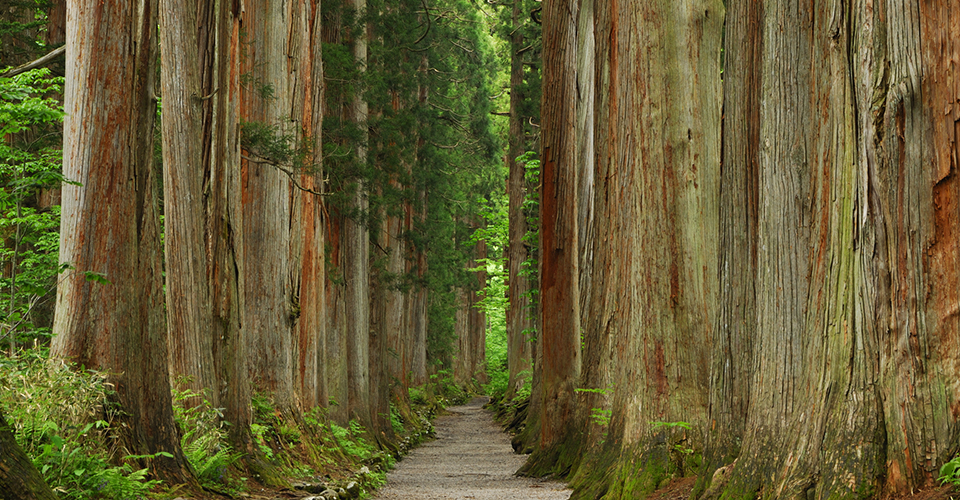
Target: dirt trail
x=471 y=458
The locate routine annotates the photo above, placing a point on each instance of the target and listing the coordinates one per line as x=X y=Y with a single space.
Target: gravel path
x=471 y=458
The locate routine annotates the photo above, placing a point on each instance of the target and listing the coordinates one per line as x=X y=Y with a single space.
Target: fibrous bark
x=189 y=314
x=110 y=222
x=734 y=331
x=656 y=204
x=856 y=265
x=559 y=264
x=356 y=269
x=19 y=479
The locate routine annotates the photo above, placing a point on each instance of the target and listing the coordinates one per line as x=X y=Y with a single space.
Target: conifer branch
x=424 y=35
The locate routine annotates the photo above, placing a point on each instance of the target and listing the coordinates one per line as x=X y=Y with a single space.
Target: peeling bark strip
x=110 y=222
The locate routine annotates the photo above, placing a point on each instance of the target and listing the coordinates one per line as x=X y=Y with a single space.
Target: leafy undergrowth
x=65 y=420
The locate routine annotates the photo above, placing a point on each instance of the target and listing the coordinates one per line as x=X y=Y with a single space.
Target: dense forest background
x=690 y=238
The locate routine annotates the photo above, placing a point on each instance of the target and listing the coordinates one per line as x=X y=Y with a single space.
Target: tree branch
x=424 y=35
x=23 y=68
x=290 y=173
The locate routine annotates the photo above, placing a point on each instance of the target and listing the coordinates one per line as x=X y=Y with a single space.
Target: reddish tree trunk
x=854 y=343
x=280 y=222
x=110 y=222
x=309 y=331
x=559 y=264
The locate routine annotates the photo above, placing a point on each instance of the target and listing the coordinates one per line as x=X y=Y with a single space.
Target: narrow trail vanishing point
x=470 y=459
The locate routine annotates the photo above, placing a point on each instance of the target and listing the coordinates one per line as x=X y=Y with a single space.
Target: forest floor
x=471 y=458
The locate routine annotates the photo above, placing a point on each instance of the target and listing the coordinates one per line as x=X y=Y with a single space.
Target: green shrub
x=950 y=472
x=417 y=395
x=396 y=420
x=205 y=441
x=351 y=440
x=30 y=158
x=62 y=419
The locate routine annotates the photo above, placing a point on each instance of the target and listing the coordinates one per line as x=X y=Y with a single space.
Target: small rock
x=353 y=489
x=310 y=488
x=364 y=470
x=330 y=495
x=318 y=488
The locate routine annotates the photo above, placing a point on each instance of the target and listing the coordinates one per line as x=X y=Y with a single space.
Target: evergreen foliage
x=21 y=23
x=432 y=145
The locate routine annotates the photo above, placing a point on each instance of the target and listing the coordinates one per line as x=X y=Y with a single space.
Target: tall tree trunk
x=201 y=146
x=462 y=354
x=283 y=226
x=418 y=320
x=478 y=323
x=308 y=286
x=224 y=218
x=735 y=326
x=559 y=265
x=356 y=268
x=418 y=261
x=470 y=362
x=19 y=479
x=654 y=273
x=110 y=222
x=271 y=223
x=857 y=264
x=335 y=347
x=189 y=314
x=395 y=327
x=385 y=319
x=518 y=314
x=335 y=358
